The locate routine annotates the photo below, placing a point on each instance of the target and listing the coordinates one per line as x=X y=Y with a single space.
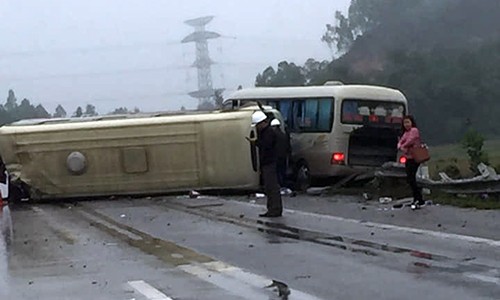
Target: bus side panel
x=313 y=148
x=169 y=160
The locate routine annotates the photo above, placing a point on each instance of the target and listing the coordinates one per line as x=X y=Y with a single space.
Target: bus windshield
x=357 y=111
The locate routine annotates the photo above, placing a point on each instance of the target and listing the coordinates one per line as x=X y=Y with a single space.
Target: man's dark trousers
x=272 y=189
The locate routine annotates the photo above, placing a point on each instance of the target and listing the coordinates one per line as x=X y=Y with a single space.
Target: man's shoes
x=270 y=215
x=417 y=205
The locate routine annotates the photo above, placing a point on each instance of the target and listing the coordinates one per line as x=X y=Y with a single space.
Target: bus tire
x=302 y=177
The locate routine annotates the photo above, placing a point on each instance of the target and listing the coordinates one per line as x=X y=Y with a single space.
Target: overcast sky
x=114 y=53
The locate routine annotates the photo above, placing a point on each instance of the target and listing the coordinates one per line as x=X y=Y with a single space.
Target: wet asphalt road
x=209 y=248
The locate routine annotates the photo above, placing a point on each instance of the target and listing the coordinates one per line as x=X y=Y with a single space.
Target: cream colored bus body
x=148 y=155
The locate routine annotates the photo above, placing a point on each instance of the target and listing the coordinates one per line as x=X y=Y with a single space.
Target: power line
x=93 y=74
x=162 y=69
x=85 y=50
x=111 y=99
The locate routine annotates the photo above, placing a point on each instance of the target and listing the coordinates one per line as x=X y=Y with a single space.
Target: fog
x=128 y=53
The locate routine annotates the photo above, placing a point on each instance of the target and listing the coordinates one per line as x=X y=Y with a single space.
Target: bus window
x=371 y=111
x=312 y=115
x=285 y=108
x=273 y=104
x=325 y=114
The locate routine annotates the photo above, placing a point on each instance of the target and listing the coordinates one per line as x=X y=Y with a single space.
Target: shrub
x=473 y=143
x=452 y=171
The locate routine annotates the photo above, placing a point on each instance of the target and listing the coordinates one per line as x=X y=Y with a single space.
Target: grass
x=467 y=201
x=446 y=157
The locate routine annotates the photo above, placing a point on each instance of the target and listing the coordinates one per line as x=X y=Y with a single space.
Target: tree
x=78 y=113
x=60 y=112
x=90 y=111
x=11 y=103
x=287 y=74
x=120 y=111
x=266 y=78
x=41 y=112
x=363 y=16
x=339 y=37
x=393 y=23
x=26 y=110
x=4 y=116
x=315 y=72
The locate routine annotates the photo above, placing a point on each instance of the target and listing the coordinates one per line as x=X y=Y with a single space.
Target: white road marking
x=148 y=291
x=232 y=285
x=252 y=279
x=452 y=236
x=483 y=277
x=111 y=226
x=237 y=281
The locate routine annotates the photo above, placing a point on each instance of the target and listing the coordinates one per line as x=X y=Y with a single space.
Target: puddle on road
x=420 y=260
x=7 y=231
x=427 y=262
x=6 y=236
x=4 y=268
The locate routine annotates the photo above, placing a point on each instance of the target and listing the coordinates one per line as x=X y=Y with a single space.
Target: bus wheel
x=303 y=177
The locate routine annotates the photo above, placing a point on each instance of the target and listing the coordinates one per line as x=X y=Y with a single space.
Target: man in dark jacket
x=267 y=144
x=283 y=150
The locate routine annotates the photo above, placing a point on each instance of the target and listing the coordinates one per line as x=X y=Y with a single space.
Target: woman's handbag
x=420 y=153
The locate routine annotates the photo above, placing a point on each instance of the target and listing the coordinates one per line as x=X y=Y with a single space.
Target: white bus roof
x=39 y=125
x=341 y=91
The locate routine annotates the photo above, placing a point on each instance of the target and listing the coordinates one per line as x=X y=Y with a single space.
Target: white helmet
x=258 y=117
x=275 y=122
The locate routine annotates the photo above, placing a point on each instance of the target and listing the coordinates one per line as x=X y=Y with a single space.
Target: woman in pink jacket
x=410 y=139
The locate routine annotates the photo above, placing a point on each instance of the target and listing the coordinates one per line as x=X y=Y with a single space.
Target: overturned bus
x=90 y=157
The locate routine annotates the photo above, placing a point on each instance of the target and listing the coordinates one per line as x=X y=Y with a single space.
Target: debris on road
x=287 y=192
x=194 y=194
x=316 y=191
x=282 y=288
x=385 y=200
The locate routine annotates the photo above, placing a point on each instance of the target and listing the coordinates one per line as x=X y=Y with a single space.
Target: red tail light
x=338 y=158
x=402 y=160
